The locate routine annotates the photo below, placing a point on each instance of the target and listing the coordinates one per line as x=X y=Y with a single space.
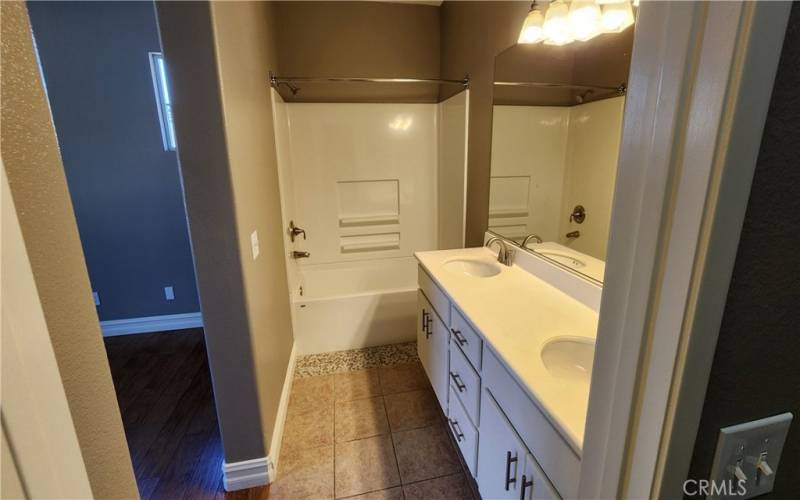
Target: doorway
x=109 y=94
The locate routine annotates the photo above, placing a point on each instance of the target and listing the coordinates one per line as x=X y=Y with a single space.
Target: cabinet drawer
x=465 y=433
x=465 y=382
x=555 y=456
x=466 y=337
x=435 y=295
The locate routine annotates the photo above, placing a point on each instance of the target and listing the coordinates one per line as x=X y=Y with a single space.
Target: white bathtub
x=356 y=304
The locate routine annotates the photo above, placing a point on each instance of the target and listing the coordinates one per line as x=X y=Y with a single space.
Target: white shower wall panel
x=364 y=179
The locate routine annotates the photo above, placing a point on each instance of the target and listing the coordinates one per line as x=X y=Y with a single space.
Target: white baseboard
x=261 y=471
x=283 y=406
x=150 y=324
x=246 y=474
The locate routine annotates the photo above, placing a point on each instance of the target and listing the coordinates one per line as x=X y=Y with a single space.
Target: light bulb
x=584 y=19
x=556 y=24
x=533 y=27
x=616 y=17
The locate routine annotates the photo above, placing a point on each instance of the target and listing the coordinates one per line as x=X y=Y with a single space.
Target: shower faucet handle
x=295 y=231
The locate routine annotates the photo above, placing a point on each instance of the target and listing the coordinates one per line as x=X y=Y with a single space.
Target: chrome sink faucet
x=505 y=255
x=534 y=237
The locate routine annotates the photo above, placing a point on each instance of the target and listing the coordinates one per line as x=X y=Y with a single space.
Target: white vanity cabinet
x=501 y=454
x=432 y=340
x=510 y=447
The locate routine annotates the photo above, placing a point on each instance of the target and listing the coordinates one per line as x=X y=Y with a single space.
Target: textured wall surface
x=125 y=188
x=755 y=373
x=244 y=33
x=187 y=38
x=39 y=188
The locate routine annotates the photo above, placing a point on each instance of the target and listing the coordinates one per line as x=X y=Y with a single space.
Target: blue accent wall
x=126 y=190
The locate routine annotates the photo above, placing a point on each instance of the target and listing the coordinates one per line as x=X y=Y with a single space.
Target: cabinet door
x=432 y=339
x=424 y=323
x=534 y=484
x=501 y=454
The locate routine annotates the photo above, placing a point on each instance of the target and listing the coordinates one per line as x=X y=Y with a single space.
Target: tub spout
x=300 y=255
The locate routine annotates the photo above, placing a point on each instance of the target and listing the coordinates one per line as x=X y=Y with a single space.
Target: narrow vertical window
x=163 y=100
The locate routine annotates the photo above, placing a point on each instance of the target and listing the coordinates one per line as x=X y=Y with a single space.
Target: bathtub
x=351 y=305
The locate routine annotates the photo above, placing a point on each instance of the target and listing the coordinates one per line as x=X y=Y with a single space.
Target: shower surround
x=370 y=183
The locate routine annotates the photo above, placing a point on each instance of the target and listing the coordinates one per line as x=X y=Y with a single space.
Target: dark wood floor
x=164 y=391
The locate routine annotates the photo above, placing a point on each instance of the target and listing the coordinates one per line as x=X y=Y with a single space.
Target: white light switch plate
x=169 y=293
x=746 y=446
x=254 y=244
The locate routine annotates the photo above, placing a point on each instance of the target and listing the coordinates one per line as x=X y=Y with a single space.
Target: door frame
x=38 y=432
x=701 y=80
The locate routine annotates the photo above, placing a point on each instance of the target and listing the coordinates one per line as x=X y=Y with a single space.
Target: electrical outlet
x=169 y=293
x=96 y=297
x=747 y=457
x=254 y=243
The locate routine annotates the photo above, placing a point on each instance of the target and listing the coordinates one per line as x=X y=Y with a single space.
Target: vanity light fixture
x=564 y=21
x=616 y=17
x=584 y=19
x=556 y=24
x=533 y=27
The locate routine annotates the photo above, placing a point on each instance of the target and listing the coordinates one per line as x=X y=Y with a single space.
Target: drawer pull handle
x=430 y=324
x=456 y=429
x=510 y=460
x=459 y=336
x=457 y=380
x=525 y=485
x=426 y=323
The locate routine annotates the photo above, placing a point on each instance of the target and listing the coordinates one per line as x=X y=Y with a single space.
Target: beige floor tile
x=310 y=429
x=365 y=465
x=360 y=419
x=425 y=453
x=453 y=487
x=410 y=410
x=390 y=494
x=358 y=384
x=402 y=378
x=306 y=474
x=311 y=393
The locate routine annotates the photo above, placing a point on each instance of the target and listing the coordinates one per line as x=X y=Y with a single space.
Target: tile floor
x=372 y=434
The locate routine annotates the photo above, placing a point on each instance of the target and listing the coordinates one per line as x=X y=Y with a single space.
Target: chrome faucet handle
x=509 y=257
x=295 y=231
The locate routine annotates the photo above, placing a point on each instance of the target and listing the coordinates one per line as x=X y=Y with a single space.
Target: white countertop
x=517 y=313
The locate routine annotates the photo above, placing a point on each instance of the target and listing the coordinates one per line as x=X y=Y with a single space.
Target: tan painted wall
x=245 y=45
x=36 y=176
x=472 y=34
x=364 y=39
x=188 y=44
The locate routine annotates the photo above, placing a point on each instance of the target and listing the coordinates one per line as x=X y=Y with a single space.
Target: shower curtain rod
x=289 y=80
x=620 y=89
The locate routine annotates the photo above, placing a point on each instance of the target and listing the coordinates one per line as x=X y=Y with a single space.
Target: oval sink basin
x=473 y=267
x=569 y=358
x=563 y=258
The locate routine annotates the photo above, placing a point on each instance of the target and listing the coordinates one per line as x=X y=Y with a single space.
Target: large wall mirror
x=557 y=123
